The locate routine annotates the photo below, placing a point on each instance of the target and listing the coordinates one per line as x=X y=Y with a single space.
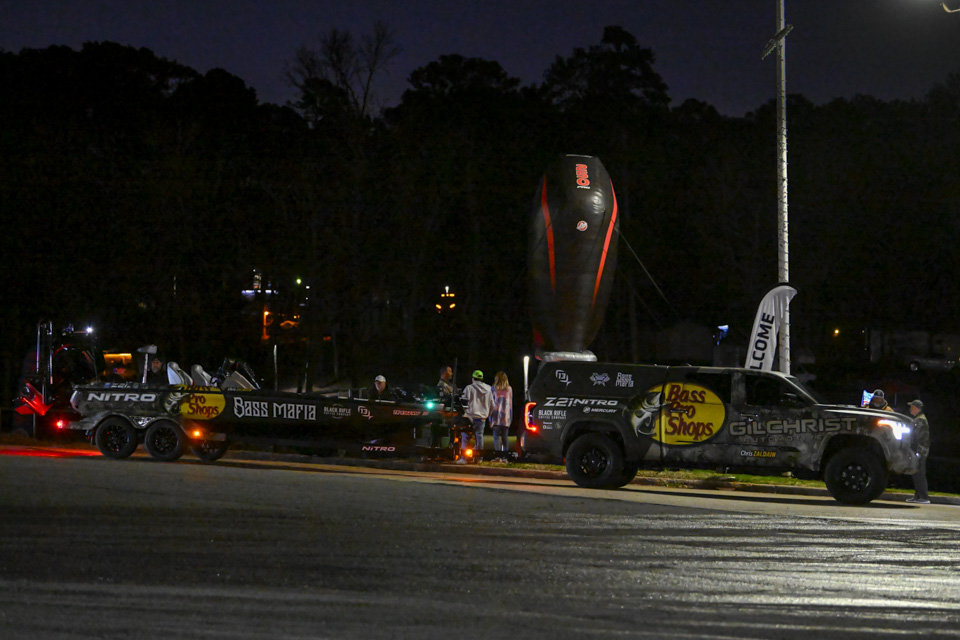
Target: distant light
x=836 y=332
x=89 y=329
x=722 y=331
x=299 y=282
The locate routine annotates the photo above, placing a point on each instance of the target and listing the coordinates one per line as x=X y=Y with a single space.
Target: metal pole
x=783 y=243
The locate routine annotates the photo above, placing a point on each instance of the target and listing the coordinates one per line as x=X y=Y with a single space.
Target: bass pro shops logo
x=689 y=414
x=203 y=406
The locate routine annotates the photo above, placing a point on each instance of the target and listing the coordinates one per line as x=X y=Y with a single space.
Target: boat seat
x=176 y=375
x=201 y=377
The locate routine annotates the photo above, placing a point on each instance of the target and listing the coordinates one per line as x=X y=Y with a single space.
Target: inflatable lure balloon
x=573 y=254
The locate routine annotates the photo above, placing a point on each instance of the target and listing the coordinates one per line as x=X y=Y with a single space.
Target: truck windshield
x=802 y=391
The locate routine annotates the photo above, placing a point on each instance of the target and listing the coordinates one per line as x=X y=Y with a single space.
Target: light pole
x=778 y=43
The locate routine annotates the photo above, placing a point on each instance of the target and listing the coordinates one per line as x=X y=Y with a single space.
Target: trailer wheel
x=594 y=461
x=855 y=475
x=164 y=440
x=116 y=438
x=209 y=450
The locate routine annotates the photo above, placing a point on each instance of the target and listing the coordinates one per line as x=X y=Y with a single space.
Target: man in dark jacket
x=879 y=401
x=157 y=373
x=922 y=428
x=380 y=390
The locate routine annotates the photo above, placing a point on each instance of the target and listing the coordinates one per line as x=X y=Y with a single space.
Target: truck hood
x=866 y=412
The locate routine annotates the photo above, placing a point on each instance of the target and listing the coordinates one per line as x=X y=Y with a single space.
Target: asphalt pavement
x=664 y=479
x=719 y=482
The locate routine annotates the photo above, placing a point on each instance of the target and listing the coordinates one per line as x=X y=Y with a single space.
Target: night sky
x=705 y=49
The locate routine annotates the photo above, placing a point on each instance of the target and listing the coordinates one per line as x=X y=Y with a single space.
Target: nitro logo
x=600 y=379
x=250 y=408
x=376 y=448
x=583 y=178
x=119 y=396
x=563 y=377
x=580 y=402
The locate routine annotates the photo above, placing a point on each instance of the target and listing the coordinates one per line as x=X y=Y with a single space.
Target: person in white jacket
x=479 y=405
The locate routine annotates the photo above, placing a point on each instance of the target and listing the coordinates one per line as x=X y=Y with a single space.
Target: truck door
x=773 y=419
x=693 y=417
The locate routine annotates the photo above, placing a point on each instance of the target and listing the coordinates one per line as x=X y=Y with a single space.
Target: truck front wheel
x=594 y=461
x=855 y=475
x=164 y=440
x=116 y=438
x=630 y=470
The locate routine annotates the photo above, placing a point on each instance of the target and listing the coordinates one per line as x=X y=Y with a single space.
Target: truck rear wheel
x=164 y=440
x=116 y=438
x=209 y=450
x=594 y=461
x=855 y=475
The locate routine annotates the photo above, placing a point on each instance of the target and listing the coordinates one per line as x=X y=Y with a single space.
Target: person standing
x=502 y=414
x=445 y=393
x=445 y=385
x=479 y=404
x=922 y=427
x=879 y=401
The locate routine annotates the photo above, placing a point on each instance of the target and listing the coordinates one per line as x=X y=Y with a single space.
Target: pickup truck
x=608 y=420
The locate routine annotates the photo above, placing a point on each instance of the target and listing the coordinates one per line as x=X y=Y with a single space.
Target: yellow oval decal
x=203 y=406
x=688 y=414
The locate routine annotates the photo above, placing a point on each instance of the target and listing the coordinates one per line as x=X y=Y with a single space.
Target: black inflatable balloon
x=573 y=253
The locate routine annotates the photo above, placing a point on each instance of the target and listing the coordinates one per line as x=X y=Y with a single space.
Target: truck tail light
x=528 y=422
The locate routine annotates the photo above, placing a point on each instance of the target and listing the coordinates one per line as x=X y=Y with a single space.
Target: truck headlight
x=899 y=428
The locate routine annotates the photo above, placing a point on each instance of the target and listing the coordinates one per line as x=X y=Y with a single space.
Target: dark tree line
x=140 y=196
